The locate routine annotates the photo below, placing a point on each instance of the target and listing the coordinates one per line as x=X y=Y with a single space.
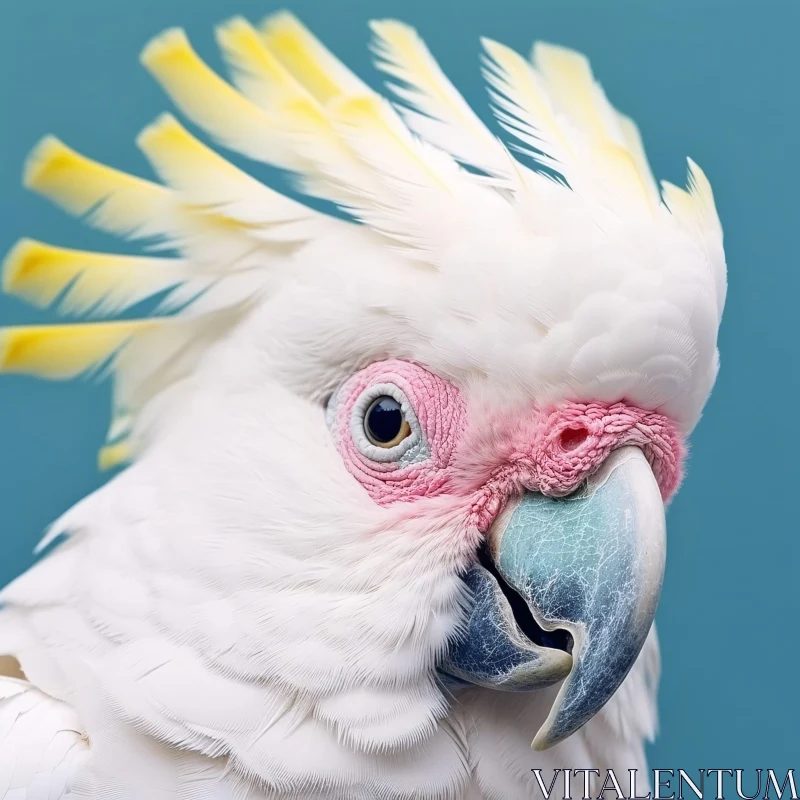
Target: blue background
x=714 y=80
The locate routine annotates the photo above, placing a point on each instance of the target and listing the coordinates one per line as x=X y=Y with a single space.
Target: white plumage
x=42 y=744
x=223 y=620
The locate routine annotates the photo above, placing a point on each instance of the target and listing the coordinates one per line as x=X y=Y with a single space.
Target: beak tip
x=544 y=739
x=539 y=745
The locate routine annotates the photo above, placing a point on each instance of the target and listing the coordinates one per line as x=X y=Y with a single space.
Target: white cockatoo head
x=375 y=458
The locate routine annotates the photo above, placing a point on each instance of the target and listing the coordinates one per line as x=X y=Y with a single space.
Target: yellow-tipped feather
x=694 y=206
x=325 y=164
x=571 y=84
x=208 y=180
x=308 y=60
x=434 y=109
x=694 y=210
x=40 y=273
x=678 y=201
x=307 y=126
x=635 y=146
x=256 y=71
x=290 y=74
x=700 y=189
x=211 y=102
x=373 y=130
x=60 y=352
x=114 y=455
x=126 y=205
x=522 y=103
x=114 y=201
x=186 y=163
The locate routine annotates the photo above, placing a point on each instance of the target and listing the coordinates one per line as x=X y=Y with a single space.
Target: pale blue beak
x=567 y=589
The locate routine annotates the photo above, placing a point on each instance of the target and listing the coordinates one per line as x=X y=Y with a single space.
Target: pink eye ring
x=396 y=426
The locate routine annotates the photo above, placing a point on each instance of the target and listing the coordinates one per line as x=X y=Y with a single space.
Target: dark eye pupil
x=384 y=419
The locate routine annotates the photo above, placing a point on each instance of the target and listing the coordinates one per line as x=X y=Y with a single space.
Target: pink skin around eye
x=499 y=453
x=440 y=411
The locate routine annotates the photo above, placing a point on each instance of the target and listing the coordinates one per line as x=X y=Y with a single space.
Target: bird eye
x=385 y=423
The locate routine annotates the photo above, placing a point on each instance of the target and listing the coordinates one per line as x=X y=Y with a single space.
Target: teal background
x=714 y=80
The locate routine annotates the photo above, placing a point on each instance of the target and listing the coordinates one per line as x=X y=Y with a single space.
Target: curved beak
x=590 y=564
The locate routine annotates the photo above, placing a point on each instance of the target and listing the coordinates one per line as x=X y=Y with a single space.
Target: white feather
x=42 y=744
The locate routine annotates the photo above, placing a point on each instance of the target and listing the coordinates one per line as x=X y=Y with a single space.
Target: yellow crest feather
x=323 y=75
x=570 y=83
x=432 y=107
x=112 y=200
x=114 y=455
x=207 y=180
x=208 y=100
x=60 y=352
x=40 y=273
x=257 y=72
x=523 y=106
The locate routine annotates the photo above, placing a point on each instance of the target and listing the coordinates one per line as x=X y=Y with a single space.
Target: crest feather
x=256 y=71
x=700 y=189
x=524 y=108
x=571 y=85
x=211 y=102
x=311 y=64
x=346 y=143
x=694 y=206
x=324 y=165
x=208 y=181
x=434 y=109
x=110 y=200
x=113 y=455
x=561 y=116
x=61 y=352
x=695 y=211
x=635 y=146
x=569 y=80
x=289 y=128
x=99 y=282
x=375 y=157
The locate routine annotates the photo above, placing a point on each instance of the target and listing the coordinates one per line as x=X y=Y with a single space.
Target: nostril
x=572 y=438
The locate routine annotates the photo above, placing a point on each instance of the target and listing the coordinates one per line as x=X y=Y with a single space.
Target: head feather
x=293 y=104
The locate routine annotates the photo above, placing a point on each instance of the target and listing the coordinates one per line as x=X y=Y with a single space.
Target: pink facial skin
x=419 y=468
x=485 y=459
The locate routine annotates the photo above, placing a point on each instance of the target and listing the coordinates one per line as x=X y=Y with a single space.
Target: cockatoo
x=397 y=463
